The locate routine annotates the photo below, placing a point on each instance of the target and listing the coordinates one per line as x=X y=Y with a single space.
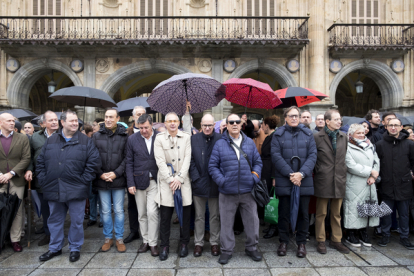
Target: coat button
x=173 y=160
x=179 y=159
x=172 y=147
x=178 y=146
x=60 y=163
x=62 y=149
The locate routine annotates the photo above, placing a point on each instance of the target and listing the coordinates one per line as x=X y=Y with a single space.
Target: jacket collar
x=75 y=137
x=120 y=130
x=390 y=139
x=279 y=131
x=179 y=134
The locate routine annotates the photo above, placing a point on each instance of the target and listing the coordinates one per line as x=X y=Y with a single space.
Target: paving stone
x=5 y=253
x=294 y=272
x=153 y=272
x=15 y=271
x=104 y=271
x=375 y=258
x=200 y=272
x=93 y=233
x=332 y=258
x=148 y=261
x=246 y=272
x=112 y=260
x=273 y=246
x=34 y=247
x=411 y=268
x=89 y=246
x=339 y=271
x=206 y=260
x=241 y=260
x=54 y=271
x=290 y=260
x=386 y=271
x=62 y=261
x=402 y=256
x=22 y=260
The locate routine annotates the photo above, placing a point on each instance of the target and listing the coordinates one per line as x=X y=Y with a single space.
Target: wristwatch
x=13 y=173
x=303 y=176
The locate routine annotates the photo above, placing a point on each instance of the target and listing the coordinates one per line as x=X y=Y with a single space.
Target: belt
x=152 y=178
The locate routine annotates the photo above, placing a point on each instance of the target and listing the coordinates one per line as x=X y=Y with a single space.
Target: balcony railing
x=371 y=36
x=124 y=30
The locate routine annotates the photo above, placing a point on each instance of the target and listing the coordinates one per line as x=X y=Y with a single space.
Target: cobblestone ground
x=391 y=260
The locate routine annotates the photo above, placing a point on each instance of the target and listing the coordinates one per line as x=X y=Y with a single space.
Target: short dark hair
x=397 y=119
x=386 y=114
x=99 y=120
x=109 y=109
x=287 y=110
x=18 y=125
x=328 y=114
x=305 y=111
x=369 y=114
x=65 y=114
x=227 y=118
x=88 y=128
x=144 y=118
x=272 y=121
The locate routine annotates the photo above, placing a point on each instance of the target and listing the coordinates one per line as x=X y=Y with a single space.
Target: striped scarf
x=359 y=143
x=332 y=135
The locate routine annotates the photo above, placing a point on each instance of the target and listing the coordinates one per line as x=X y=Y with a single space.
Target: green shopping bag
x=271 y=214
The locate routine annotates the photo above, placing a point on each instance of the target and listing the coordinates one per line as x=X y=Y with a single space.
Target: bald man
x=14 y=159
x=259 y=135
x=203 y=186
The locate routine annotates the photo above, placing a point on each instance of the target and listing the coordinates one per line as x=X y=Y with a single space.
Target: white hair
x=353 y=128
x=168 y=114
x=136 y=108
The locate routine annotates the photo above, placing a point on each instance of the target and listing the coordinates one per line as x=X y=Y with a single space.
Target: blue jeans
x=118 y=201
x=94 y=200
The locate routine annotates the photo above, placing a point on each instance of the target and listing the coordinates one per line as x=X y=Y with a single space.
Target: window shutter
x=42 y=7
x=165 y=13
x=35 y=7
x=58 y=7
x=50 y=7
x=264 y=13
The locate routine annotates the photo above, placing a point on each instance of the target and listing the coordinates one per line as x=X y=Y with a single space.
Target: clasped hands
x=371 y=179
x=174 y=185
x=108 y=177
x=296 y=178
x=4 y=178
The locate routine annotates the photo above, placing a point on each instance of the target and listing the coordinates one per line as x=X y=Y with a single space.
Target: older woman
x=363 y=168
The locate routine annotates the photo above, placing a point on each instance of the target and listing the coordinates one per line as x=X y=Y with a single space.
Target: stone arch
x=389 y=84
x=126 y=73
x=23 y=80
x=282 y=75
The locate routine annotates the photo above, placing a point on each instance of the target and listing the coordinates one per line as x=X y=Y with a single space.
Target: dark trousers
x=132 y=214
x=403 y=218
x=44 y=206
x=302 y=224
x=165 y=226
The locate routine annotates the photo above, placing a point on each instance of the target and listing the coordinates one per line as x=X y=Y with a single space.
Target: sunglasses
x=172 y=121
x=237 y=122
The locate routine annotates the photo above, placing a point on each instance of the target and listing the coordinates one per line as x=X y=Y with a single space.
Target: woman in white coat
x=362 y=170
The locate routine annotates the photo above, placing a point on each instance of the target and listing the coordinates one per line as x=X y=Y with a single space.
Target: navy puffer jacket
x=65 y=170
x=234 y=176
x=286 y=143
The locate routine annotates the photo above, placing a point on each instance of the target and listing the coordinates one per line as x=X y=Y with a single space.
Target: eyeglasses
x=237 y=122
x=393 y=126
x=172 y=121
x=207 y=126
x=293 y=116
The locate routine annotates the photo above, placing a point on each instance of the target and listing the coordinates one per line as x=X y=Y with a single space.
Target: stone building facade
x=127 y=47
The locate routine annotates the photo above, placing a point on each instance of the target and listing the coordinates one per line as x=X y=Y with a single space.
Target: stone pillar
x=3 y=79
x=224 y=107
x=89 y=75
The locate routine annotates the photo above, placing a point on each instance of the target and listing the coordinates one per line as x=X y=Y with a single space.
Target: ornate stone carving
x=366 y=61
x=102 y=65
x=12 y=65
x=110 y=3
x=204 y=65
x=197 y=4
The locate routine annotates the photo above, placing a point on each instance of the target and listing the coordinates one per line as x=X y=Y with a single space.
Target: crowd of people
x=334 y=167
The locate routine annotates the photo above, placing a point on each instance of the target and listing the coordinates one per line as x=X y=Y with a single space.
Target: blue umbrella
x=178 y=200
x=294 y=198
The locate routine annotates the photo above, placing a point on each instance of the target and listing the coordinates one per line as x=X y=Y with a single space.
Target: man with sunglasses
x=396 y=154
x=203 y=186
x=236 y=166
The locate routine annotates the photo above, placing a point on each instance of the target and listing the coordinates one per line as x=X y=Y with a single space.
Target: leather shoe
x=91 y=222
x=198 y=251
x=273 y=232
x=183 y=250
x=164 y=253
x=74 y=256
x=154 y=251
x=100 y=225
x=17 y=247
x=224 y=258
x=281 y=251
x=44 y=241
x=143 y=248
x=215 y=250
x=301 y=253
x=49 y=255
x=254 y=255
x=132 y=236
x=40 y=231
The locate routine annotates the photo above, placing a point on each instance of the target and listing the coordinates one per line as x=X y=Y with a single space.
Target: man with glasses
x=203 y=186
x=330 y=180
x=396 y=154
x=231 y=170
x=386 y=116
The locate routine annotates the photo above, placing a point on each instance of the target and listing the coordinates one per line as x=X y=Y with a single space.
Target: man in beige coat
x=173 y=147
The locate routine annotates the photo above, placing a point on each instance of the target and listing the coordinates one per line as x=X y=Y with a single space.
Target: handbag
x=259 y=191
x=271 y=214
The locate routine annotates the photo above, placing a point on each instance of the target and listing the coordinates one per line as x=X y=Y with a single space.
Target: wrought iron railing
x=149 y=29
x=355 y=36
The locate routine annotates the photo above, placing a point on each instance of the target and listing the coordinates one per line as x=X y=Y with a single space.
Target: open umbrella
x=125 y=107
x=202 y=91
x=34 y=120
x=178 y=200
x=9 y=205
x=294 y=198
x=251 y=93
x=298 y=96
x=21 y=114
x=347 y=120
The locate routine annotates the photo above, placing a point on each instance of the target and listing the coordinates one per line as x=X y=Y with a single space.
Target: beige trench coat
x=179 y=155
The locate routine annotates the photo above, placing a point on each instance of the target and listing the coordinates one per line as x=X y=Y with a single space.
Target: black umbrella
x=126 y=107
x=346 y=120
x=9 y=205
x=21 y=114
x=34 y=120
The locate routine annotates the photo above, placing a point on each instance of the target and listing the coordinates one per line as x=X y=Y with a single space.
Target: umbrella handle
x=296 y=157
x=30 y=184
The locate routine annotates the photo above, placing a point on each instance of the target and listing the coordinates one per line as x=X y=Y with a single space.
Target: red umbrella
x=298 y=96
x=251 y=93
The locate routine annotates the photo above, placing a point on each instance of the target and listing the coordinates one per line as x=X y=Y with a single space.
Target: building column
x=3 y=78
x=224 y=107
x=89 y=77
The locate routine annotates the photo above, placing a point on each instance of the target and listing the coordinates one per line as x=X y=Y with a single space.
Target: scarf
x=359 y=143
x=332 y=135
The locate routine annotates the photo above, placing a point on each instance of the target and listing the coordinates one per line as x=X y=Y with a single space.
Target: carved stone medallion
x=102 y=65
x=204 y=65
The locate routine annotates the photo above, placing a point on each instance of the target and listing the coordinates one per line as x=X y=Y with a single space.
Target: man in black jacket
x=65 y=168
x=110 y=181
x=203 y=187
x=141 y=171
x=386 y=116
x=396 y=154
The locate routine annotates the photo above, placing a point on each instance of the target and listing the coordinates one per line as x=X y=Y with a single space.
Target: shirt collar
x=150 y=137
x=236 y=139
x=1 y=134
x=47 y=134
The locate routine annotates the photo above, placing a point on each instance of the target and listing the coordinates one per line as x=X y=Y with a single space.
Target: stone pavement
x=391 y=260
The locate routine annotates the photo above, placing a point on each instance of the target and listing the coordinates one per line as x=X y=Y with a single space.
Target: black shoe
x=237 y=232
x=351 y=239
x=377 y=232
x=183 y=250
x=224 y=258
x=264 y=231
x=308 y=236
x=100 y=224
x=132 y=236
x=74 y=256
x=364 y=238
x=44 y=241
x=86 y=216
x=91 y=222
x=40 y=231
x=164 y=253
x=384 y=241
x=49 y=255
x=406 y=243
x=273 y=232
x=254 y=255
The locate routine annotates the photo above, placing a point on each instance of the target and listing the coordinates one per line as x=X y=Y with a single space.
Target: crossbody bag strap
x=242 y=153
